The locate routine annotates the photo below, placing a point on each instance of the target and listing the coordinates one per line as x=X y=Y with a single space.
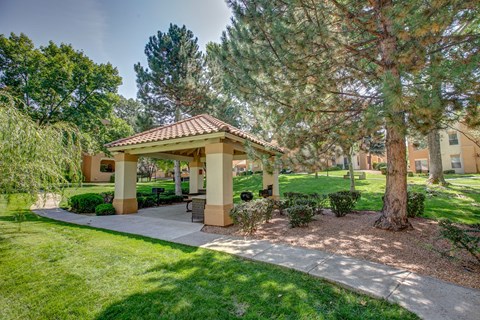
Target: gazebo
x=198 y=140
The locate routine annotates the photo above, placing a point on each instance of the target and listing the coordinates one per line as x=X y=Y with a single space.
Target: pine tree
x=172 y=86
x=326 y=62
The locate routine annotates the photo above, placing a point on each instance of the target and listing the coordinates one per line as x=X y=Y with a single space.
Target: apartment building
x=459 y=153
x=361 y=161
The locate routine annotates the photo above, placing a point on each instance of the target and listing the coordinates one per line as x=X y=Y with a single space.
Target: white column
x=125 y=200
x=195 y=168
x=272 y=179
x=219 y=184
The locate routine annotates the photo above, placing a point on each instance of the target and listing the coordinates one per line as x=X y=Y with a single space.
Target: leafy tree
x=172 y=86
x=56 y=83
x=35 y=158
x=324 y=62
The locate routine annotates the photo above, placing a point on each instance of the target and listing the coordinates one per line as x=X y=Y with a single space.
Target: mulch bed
x=354 y=235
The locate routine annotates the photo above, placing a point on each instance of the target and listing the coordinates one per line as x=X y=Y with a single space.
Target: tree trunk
x=178 y=178
x=350 y=169
x=435 y=159
x=176 y=163
x=394 y=212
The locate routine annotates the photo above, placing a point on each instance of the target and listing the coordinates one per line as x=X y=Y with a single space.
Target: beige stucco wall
x=91 y=168
x=467 y=150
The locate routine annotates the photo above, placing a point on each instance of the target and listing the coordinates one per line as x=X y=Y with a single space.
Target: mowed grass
x=456 y=202
x=53 y=270
x=459 y=202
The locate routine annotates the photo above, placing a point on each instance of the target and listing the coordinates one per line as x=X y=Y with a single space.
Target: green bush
x=343 y=202
x=249 y=215
x=300 y=215
x=112 y=178
x=374 y=165
x=108 y=196
x=409 y=173
x=466 y=238
x=147 y=201
x=169 y=199
x=451 y=171
x=381 y=165
x=415 y=204
x=85 y=203
x=104 y=209
x=383 y=171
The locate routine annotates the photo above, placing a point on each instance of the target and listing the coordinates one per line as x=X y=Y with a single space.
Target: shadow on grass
x=208 y=285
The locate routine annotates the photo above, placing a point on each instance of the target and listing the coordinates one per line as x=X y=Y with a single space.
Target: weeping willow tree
x=35 y=158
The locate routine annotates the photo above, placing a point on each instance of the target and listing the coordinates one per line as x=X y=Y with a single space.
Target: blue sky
x=113 y=31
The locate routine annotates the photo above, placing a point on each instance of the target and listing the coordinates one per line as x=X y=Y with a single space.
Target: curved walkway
x=428 y=297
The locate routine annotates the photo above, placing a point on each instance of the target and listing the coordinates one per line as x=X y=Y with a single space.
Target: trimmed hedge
x=343 y=202
x=451 y=171
x=105 y=209
x=415 y=204
x=85 y=203
x=300 y=215
x=249 y=215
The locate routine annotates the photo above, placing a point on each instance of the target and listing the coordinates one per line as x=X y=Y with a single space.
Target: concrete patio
x=428 y=297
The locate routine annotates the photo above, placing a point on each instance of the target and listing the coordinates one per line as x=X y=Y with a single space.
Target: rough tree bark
x=394 y=212
x=435 y=159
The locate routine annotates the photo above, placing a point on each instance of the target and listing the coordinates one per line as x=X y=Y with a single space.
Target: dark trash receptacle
x=246 y=196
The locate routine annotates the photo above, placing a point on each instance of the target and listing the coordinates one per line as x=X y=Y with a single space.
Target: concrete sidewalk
x=428 y=297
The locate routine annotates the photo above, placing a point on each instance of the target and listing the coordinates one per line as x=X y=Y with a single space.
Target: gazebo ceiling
x=186 y=137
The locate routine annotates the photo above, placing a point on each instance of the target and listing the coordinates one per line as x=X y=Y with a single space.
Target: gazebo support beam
x=125 y=200
x=219 y=157
x=272 y=179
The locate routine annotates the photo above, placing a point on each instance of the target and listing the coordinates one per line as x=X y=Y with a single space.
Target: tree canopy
x=35 y=158
x=57 y=83
x=327 y=64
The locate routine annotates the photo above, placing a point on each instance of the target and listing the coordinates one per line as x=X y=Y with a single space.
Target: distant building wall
x=458 y=153
x=97 y=168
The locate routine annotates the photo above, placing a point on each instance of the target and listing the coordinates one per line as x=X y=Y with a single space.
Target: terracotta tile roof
x=194 y=126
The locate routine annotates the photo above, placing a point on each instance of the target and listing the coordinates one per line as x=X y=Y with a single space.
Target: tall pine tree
x=172 y=86
x=326 y=62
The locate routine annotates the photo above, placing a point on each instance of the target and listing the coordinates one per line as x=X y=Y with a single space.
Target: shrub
x=108 y=196
x=374 y=165
x=384 y=171
x=300 y=215
x=104 y=209
x=112 y=178
x=409 y=173
x=467 y=238
x=249 y=215
x=146 y=201
x=381 y=165
x=85 y=203
x=185 y=190
x=451 y=171
x=169 y=199
x=343 y=202
x=415 y=204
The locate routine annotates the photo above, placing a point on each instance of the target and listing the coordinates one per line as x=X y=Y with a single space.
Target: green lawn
x=53 y=270
x=458 y=202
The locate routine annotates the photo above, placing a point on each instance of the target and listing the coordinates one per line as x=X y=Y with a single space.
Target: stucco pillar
x=125 y=200
x=219 y=184
x=195 y=168
x=272 y=179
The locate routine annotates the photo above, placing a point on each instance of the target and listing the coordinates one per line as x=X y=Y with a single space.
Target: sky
x=114 y=31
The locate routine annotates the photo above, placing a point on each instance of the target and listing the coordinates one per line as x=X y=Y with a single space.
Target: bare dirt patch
x=353 y=235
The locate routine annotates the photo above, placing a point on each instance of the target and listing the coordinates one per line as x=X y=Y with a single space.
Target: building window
x=453 y=138
x=456 y=162
x=421 y=166
x=107 y=166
